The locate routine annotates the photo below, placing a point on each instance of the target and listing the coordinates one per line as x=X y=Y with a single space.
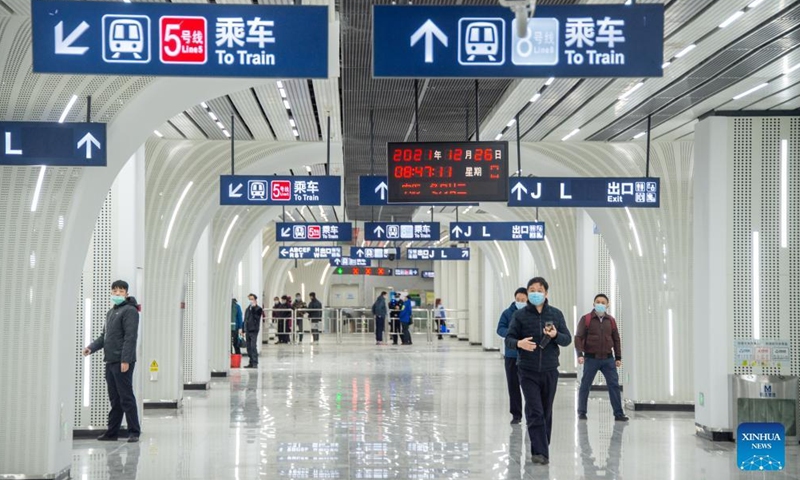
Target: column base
x=658 y=406
x=197 y=386
x=215 y=374
x=567 y=375
x=162 y=404
x=475 y=344
x=713 y=434
x=62 y=475
x=604 y=388
x=463 y=339
x=485 y=349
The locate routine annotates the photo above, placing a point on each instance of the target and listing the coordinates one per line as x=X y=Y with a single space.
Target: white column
x=712 y=273
x=492 y=307
x=452 y=290
x=462 y=292
x=253 y=280
x=127 y=247
x=201 y=371
x=475 y=299
x=587 y=258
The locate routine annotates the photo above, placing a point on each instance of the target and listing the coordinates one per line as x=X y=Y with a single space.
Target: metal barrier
x=361 y=321
x=276 y=322
x=457 y=321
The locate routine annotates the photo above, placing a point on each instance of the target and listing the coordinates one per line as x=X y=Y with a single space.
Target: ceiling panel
x=302 y=110
x=223 y=108
x=272 y=104
x=249 y=109
x=188 y=128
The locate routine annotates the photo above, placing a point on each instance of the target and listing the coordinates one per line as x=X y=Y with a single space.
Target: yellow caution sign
x=154 y=366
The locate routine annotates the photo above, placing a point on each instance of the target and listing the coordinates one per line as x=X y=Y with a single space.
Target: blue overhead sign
x=287 y=190
x=313 y=232
x=375 y=253
x=584 y=192
x=488 y=231
x=351 y=262
x=319 y=253
x=406 y=272
x=401 y=231
x=482 y=42
x=56 y=144
x=373 y=190
x=437 y=254
x=171 y=39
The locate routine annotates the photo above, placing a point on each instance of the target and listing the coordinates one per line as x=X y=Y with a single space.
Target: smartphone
x=548 y=324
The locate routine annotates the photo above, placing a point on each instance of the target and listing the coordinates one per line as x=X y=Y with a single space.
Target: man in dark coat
x=252 y=325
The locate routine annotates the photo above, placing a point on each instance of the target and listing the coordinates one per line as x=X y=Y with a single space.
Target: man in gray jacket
x=118 y=342
x=380 y=311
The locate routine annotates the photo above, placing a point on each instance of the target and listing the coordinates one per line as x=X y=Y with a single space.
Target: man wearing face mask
x=536 y=332
x=512 y=376
x=252 y=324
x=118 y=341
x=596 y=336
x=299 y=307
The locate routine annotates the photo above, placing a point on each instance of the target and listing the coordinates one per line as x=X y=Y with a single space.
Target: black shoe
x=621 y=418
x=133 y=439
x=582 y=416
x=516 y=420
x=540 y=460
x=106 y=438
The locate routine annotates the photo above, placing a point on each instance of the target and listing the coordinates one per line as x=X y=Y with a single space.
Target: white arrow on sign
x=337 y=261
x=378 y=231
x=382 y=188
x=64 y=45
x=286 y=231
x=464 y=253
x=234 y=192
x=284 y=252
x=88 y=140
x=519 y=188
x=428 y=30
x=360 y=253
x=458 y=232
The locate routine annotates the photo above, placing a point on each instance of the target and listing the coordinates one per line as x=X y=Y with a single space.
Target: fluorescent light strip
x=792 y=69
x=286 y=104
x=635 y=231
x=213 y=115
x=754 y=89
x=685 y=51
x=498 y=136
x=756 y=274
x=731 y=19
x=511 y=123
x=295 y=132
x=665 y=65
x=225 y=238
x=784 y=193
x=502 y=256
x=291 y=277
x=292 y=123
x=571 y=134
x=38 y=191
x=87 y=365
x=175 y=213
x=639 y=135
x=240 y=274
x=290 y=216
x=550 y=250
x=755 y=4
x=628 y=2
x=204 y=105
x=67 y=108
x=629 y=92
x=264 y=252
x=671 y=354
x=282 y=92
x=535 y=97
x=549 y=81
x=158 y=134
x=325 y=273
x=280 y=84
x=227 y=133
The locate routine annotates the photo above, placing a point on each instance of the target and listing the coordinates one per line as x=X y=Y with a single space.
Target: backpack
x=587 y=319
x=375 y=308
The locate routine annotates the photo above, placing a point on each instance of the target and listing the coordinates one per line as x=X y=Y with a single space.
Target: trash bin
x=765 y=398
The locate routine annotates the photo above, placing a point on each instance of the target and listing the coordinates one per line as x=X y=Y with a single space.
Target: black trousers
x=123 y=402
x=300 y=329
x=514 y=391
x=406 y=333
x=252 y=348
x=380 y=325
x=396 y=330
x=315 y=322
x=539 y=389
x=235 y=342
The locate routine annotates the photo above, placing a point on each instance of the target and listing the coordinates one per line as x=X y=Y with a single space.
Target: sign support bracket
x=477 y=112
x=647 y=155
x=233 y=131
x=416 y=110
x=466 y=124
x=372 y=150
x=88 y=109
x=519 y=149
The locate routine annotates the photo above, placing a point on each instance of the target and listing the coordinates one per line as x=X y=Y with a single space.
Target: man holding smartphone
x=537 y=332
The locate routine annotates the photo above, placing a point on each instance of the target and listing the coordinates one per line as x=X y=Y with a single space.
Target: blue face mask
x=520 y=305
x=600 y=308
x=117 y=299
x=536 y=298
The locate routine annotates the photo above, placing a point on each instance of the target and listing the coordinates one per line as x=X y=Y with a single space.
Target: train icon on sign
x=257 y=190
x=126 y=38
x=481 y=41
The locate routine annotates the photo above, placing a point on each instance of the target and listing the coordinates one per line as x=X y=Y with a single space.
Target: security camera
x=523 y=9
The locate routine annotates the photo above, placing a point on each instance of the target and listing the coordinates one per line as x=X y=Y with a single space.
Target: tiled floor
x=419 y=412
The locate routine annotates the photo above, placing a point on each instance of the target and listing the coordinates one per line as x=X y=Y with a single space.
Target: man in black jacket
x=252 y=324
x=315 y=315
x=536 y=332
x=118 y=341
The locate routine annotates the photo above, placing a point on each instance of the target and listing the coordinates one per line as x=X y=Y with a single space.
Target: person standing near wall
x=118 y=341
x=315 y=315
x=595 y=338
x=512 y=375
x=441 y=317
x=237 y=324
x=406 y=319
x=537 y=331
x=380 y=310
x=252 y=324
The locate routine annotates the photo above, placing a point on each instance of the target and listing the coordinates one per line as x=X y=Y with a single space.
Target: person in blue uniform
x=512 y=375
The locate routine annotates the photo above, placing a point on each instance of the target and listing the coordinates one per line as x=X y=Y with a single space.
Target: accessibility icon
x=126 y=38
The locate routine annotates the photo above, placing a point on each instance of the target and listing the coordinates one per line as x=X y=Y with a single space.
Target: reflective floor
x=419 y=412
